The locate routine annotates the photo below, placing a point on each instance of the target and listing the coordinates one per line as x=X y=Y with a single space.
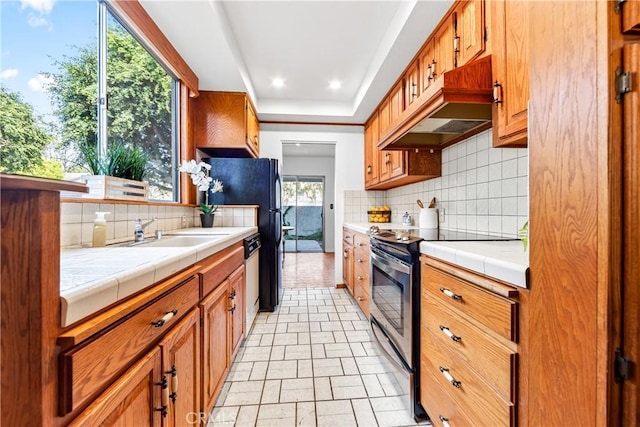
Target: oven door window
x=390 y=283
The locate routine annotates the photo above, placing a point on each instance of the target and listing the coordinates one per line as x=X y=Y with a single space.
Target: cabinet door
x=385 y=165
x=384 y=118
x=214 y=310
x=412 y=83
x=133 y=400
x=510 y=69
x=426 y=59
x=219 y=120
x=631 y=197
x=469 y=30
x=443 y=46
x=181 y=364
x=397 y=164
x=347 y=266
x=253 y=129
x=236 y=287
x=371 y=153
x=396 y=103
x=631 y=17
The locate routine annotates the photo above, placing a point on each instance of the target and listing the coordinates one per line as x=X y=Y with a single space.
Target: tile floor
x=308 y=270
x=311 y=363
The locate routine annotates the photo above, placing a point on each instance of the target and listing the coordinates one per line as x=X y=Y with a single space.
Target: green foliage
x=139 y=101
x=48 y=169
x=121 y=161
x=22 y=135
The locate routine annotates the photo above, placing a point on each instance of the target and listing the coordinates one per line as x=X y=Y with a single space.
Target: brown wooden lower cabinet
x=347 y=258
x=355 y=267
x=215 y=343
x=468 y=348
x=132 y=400
x=193 y=339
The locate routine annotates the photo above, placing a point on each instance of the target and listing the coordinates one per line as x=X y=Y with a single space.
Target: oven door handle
x=395 y=356
x=389 y=262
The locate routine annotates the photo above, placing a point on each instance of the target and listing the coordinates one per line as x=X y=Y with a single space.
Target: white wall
x=349 y=160
x=317 y=166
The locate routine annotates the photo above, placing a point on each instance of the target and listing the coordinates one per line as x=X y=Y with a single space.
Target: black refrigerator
x=256 y=182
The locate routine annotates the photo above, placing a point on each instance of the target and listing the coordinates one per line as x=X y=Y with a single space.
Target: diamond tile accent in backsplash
x=482 y=189
x=76 y=228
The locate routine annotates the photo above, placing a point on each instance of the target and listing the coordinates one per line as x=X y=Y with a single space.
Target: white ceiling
x=244 y=45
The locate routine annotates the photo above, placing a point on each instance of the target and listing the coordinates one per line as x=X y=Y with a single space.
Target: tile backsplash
x=76 y=228
x=482 y=189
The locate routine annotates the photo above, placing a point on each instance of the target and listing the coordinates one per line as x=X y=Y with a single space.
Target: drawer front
x=495 y=362
x=361 y=257
x=219 y=267
x=494 y=311
x=87 y=368
x=361 y=241
x=482 y=404
x=347 y=236
x=438 y=403
x=361 y=278
x=361 y=295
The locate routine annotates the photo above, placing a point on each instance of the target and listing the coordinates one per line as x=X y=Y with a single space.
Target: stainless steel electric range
x=395 y=301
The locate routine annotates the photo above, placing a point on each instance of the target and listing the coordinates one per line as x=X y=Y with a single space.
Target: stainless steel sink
x=175 y=241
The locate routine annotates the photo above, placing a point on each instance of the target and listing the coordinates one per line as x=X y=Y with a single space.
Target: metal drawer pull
x=450 y=294
x=450 y=334
x=360 y=299
x=449 y=378
x=360 y=261
x=359 y=277
x=164 y=319
x=444 y=421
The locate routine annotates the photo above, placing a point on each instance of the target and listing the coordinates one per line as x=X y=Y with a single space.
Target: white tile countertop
x=503 y=260
x=93 y=278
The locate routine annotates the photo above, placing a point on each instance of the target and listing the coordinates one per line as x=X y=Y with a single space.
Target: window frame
x=104 y=9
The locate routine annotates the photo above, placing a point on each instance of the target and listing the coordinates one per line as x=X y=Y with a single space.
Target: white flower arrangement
x=199 y=173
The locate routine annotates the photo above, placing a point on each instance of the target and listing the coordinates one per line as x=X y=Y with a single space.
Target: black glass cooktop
x=428 y=234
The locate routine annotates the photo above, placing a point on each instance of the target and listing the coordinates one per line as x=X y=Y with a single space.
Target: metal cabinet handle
x=174 y=383
x=368 y=169
x=360 y=299
x=359 y=277
x=497 y=92
x=449 y=377
x=164 y=388
x=444 y=421
x=164 y=319
x=232 y=309
x=450 y=334
x=450 y=294
x=346 y=254
x=360 y=261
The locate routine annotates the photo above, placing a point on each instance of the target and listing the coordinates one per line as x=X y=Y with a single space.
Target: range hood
x=456 y=106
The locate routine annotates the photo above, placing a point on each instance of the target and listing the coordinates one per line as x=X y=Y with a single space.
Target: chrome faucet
x=138 y=231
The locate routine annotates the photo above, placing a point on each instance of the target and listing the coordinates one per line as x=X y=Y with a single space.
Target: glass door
x=303 y=213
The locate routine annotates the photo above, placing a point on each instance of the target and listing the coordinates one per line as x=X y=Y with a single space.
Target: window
x=49 y=102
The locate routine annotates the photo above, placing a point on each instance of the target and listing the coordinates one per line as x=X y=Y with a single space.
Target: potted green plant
x=199 y=173
x=118 y=174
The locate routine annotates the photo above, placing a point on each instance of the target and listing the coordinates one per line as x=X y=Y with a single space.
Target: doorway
x=303 y=213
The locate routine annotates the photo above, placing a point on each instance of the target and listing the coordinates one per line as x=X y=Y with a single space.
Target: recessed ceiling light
x=335 y=84
x=277 y=82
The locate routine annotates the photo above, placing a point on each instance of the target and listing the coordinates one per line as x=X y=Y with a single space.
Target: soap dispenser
x=100 y=230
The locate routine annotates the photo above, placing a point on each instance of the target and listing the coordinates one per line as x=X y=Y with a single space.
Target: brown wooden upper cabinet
x=384 y=117
x=396 y=103
x=443 y=48
x=412 y=83
x=510 y=68
x=404 y=167
x=371 y=153
x=223 y=121
x=630 y=17
x=426 y=59
x=469 y=40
